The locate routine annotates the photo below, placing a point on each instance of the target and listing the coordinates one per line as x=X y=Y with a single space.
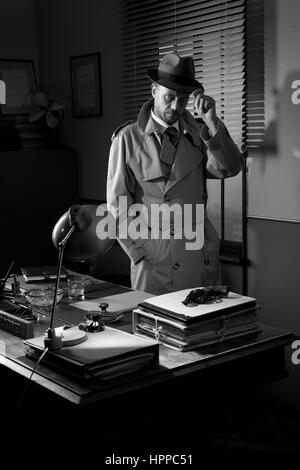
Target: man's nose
x=175 y=104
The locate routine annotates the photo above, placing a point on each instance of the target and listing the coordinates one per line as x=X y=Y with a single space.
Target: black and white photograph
x=150 y=233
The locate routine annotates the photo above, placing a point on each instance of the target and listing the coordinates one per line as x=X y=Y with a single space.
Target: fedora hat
x=176 y=73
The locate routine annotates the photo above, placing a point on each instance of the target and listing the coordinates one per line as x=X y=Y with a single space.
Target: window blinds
x=255 y=73
x=214 y=33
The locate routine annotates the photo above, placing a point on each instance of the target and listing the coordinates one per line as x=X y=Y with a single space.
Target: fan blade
x=36 y=116
x=52 y=121
x=41 y=100
x=57 y=105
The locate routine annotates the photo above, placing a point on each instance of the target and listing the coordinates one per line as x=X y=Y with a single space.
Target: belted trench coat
x=160 y=259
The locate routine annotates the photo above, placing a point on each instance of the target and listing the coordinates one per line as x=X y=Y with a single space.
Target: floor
x=259 y=428
x=246 y=429
x=263 y=430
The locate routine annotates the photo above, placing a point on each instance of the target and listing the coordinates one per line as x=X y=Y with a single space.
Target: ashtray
x=43 y=297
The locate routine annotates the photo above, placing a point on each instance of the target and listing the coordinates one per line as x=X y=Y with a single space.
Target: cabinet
x=36 y=188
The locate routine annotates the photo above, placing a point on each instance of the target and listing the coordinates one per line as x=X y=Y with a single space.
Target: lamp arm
x=63 y=242
x=61 y=247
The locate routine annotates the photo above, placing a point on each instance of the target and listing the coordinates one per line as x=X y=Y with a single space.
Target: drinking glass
x=76 y=287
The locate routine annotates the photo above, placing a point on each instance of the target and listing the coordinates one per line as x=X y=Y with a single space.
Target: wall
x=17 y=41
x=18 y=30
x=274 y=277
x=75 y=27
x=274 y=183
x=274 y=191
x=42 y=194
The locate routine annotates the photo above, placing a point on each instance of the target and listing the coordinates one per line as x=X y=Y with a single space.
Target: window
x=226 y=40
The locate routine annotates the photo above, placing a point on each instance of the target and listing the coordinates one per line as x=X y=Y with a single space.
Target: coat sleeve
x=119 y=194
x=223 y=156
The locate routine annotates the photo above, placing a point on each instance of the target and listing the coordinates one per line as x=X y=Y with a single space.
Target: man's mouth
x=172 y=115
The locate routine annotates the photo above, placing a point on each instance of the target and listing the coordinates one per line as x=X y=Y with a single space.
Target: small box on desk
x=16 y=319
x=15 y=325
x=184 y=328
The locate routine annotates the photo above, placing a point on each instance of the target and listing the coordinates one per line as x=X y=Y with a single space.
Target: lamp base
x=68 y=337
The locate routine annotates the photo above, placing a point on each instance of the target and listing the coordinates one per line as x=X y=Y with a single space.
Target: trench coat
x=162 y=262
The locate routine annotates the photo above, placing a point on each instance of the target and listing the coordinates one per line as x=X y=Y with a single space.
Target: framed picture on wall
x=86 y=85
x=20 y=85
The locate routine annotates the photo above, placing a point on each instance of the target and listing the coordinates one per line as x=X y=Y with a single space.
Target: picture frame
x=20 y=85
x=86 y=86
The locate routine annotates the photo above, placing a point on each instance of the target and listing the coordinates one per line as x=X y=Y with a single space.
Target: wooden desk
x=179 y=378
x=173 y=363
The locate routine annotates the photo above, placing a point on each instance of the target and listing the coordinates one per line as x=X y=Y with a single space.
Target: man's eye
x=170 y=98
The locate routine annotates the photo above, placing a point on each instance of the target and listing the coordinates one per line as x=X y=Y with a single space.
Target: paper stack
x=105 y=355
x=182 y=327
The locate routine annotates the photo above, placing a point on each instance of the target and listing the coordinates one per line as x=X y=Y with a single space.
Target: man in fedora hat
x=162 y=160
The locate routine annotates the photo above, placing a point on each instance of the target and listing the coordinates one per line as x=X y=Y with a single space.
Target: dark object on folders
x=205 y=295
x=171 y=306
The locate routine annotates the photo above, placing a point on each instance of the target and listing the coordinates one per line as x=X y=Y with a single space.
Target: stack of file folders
x=168 y=320
x=104 y=355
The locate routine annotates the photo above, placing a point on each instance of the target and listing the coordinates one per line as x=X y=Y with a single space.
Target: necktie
x=172 y=134
x=169 y=142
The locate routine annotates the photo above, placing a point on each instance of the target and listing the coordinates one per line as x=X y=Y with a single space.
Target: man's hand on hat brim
x=206 y=108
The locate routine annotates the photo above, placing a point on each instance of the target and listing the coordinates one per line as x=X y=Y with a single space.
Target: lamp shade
x=87 y=241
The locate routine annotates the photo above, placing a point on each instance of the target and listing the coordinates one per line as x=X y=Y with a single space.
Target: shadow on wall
x=289 y=117
x=274 y=170
x=282 y=134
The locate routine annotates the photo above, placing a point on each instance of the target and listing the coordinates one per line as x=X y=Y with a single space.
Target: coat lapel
x=152 y=165
x=188 y=154
x=152 y=168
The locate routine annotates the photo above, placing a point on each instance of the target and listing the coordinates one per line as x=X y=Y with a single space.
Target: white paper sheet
x=173 y=303
x=116 y=303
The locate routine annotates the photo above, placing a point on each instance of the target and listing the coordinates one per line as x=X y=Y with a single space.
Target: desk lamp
x=75 y=234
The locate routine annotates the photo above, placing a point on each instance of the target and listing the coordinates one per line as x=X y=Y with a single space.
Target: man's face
x=168 y=104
